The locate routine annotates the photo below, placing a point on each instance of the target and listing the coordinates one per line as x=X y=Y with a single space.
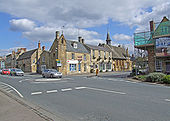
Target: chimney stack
x=152 y=26
x=79 y=39
x=39 y=45
x=43 y=48
x=57 y=35
x=82 y=41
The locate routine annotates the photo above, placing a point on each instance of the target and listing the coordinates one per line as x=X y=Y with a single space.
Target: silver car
x=16 y=72
x=51 y=73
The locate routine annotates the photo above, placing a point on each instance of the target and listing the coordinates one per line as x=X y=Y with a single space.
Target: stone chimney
x=13 y=52
x=152 y=26
x=127 y=52
x=57 y=35
x=39 y=45
x=43 y=48
x=80 y=39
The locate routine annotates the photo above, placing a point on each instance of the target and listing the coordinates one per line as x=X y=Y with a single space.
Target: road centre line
x=47 y=82
x=103 y=90
x=13 y=89
x=168 y=100
x=36 y=93
x=46 y=79
x=68 y=89
x=77 y=88
x=51 y=91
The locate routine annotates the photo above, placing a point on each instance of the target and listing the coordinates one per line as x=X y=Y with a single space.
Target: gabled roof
x=117 y=52
x=80 y=47
x=26 y=55
x=93 y=47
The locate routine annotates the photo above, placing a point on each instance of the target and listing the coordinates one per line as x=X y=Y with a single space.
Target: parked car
x=5 y=71
x=0 y=71
x=16 y=72
x=51 y=73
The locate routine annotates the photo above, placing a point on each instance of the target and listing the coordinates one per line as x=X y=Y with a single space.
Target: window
x=108 y=66
x=73 y=56
x=93 y=53
x=72 y=67
x=158 y=65
x=62 y=40
x=99 y=53
x=43 y=59
x=85 y=67
x=109 y=54
x=75 y=45
x=104 y=54
x=85 y=57
x=33 y=60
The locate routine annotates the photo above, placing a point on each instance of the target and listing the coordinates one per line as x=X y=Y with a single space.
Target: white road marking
x=36 y=93
x=130 y=82
x=47 y=82
x=68 y=89
x=51 y=91
x=13 y=89
x=168 y=100
x=10 y=91
x=77 y=88
x=46 y=79
x=103 y=90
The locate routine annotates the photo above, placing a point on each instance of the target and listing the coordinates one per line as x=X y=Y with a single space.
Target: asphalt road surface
x=82 y=98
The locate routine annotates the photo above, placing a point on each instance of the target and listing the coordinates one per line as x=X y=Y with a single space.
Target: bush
x=166 y=79
x=141 y=77
x=155 y=77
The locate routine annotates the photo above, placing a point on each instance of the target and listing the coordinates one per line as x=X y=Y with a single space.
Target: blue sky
x=24 y=23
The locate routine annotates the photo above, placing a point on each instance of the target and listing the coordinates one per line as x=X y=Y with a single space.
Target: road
x=82 y=98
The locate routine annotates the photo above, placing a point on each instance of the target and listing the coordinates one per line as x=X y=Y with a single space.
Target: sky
x=25 y=22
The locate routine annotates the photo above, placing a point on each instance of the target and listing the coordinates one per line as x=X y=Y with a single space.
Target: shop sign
x=72 y=61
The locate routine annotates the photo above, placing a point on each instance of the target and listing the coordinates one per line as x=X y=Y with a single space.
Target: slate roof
x=98 y=48
x=26 y=55
x=80 y=47
x=118 y=52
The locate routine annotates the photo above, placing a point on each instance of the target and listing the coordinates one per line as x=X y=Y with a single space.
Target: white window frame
x=43 y=59
x=158 y=65
x=75 y=45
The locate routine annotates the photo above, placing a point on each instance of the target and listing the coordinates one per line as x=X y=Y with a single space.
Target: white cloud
x=4 y=52
x=120 y=37
x=86 y=13
x=21 y=25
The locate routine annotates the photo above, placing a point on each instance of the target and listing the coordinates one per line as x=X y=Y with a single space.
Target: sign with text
x=163 y=46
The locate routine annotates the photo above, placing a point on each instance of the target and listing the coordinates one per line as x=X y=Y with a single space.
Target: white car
x=51 y=73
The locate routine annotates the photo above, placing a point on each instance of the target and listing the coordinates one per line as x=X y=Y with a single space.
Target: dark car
x=16 y=72
x=51 y=73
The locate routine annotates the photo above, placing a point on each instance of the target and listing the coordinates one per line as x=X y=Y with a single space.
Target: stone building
x=29 y=60
x=156 y=43
x=69 y=57
x=44 y=61
x=10 y=61
x=2 y=62
x=72 y=57
x=106 y=57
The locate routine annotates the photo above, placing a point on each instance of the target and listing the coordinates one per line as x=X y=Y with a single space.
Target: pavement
x=16 y=109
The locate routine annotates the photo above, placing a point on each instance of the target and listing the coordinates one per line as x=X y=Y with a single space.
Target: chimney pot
x=57 y=35
x=43 y=48
x=39 y=45
x=79 y=39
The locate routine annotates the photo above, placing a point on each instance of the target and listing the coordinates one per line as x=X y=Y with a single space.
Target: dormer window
x=75 y=45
